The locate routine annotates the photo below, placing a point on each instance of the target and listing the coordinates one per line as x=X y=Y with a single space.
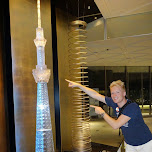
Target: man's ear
x=124 y=93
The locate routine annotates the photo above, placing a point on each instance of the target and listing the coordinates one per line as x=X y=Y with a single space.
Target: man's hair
x=118 y=83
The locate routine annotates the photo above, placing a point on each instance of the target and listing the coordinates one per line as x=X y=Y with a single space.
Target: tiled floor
x=148 y=121
x=102 y=133
x=102 y=148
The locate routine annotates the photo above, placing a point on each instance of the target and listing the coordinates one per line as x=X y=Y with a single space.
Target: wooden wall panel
x=65 y=92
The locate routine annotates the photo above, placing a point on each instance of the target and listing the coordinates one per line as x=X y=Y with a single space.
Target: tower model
x=44 y=136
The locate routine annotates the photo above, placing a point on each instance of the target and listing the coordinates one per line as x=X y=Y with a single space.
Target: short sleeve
x=131 y=110
x=110 y=102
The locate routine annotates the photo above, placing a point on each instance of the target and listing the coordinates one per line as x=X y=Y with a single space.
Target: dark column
x=150 y=96
x=7 y=75
x=55 y=76
x=127 y=82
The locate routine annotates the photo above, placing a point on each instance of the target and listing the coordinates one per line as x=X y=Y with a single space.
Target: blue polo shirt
x=135 y=131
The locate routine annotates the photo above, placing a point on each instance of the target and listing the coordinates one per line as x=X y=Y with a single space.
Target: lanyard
x=124 y=107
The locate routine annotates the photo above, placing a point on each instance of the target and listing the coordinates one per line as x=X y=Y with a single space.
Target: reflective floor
x=102 y=133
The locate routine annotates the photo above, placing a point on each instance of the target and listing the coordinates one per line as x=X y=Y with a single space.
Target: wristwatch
x=102 y=115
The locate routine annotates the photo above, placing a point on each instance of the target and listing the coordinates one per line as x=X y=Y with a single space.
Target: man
x=137 y=135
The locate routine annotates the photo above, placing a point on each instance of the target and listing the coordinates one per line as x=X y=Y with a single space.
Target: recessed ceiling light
x=88 y=7
x=95 y=17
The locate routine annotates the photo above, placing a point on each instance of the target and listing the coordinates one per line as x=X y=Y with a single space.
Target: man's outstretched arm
x=92 y=93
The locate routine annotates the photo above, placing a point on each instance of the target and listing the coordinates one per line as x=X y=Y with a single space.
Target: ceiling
x=128 y=51
x=115 y=8
x=85 y=10
x=128 y=30
x=129 y=34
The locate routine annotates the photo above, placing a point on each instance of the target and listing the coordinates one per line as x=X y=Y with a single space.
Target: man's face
x=117 y=94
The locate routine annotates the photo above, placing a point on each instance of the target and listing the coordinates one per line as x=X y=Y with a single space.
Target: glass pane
x=146 y=91
x=97 y=78
x=114 y=73
x=134 y=84
x=150 y=91
x=96 y=82
x=139 y=87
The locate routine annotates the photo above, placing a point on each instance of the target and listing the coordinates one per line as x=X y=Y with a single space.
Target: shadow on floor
x=103 y=148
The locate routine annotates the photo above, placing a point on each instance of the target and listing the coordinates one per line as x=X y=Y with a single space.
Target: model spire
x=44 y=136
x=39 y=13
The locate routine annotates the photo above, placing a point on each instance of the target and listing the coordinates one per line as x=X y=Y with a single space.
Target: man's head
x=118 y=91
x=118 y=83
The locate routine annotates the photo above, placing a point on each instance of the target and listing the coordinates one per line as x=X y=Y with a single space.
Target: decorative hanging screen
x=81 y=138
